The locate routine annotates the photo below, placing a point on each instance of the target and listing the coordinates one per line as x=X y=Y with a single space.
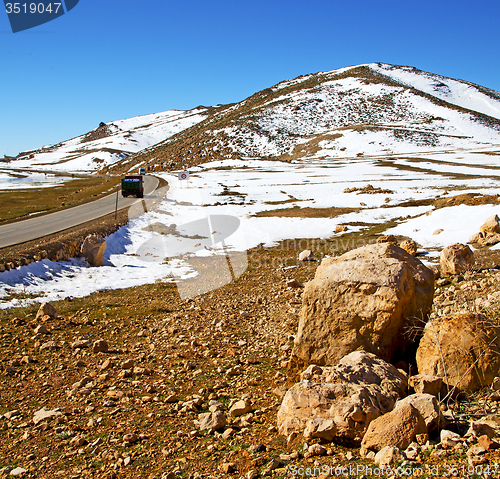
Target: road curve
x=33 y=228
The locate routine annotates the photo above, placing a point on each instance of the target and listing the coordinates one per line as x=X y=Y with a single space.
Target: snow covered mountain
x=110 y=142
x=371 y=109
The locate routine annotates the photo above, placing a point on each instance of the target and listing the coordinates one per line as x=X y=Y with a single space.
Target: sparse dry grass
x=15 y=205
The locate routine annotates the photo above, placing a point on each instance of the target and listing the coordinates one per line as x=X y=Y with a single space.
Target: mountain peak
x=367 y=109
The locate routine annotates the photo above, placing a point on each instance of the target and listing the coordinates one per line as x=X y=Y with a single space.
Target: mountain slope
x=110 y=142
x=368 y=109
x=371 y=109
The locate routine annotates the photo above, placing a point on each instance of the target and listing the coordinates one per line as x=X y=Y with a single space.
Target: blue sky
x=112 y=59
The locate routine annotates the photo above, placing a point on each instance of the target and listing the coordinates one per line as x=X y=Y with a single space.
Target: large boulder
x=464 y=349
x=93 y=249
x=491 y=225
x=347 y=397
x=367 y=298
x=455 y=259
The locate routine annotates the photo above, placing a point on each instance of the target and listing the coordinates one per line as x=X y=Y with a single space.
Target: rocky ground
x=114 y=384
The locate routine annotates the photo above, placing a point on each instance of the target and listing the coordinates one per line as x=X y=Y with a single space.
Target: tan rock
x=128 y=364
x=41 y=329
x=409 y=246
x=426 y=384
x=93 y=249
x=212 y=421
x=45 y=414
x=455 y=259
x=428 y=407
x=320 y=428
x=491 y=239
x=80 y=344
x=340 y=228
x=239 y=408
x=353 y=393
x=467 y=345
x=366 y=298
x=100 y=346
x=477 y=429
x=449 y=439
x=397 y=428
x=491 y=225
x=306 y=255
x=487 y=443
x=387 y=239
x=388 y=455
x=46 y=309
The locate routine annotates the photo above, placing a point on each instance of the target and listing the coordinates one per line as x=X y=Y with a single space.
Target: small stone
x=101 y=346
x=316 y=450
x=256 y=448
x=426 y=384
x=108 y=364
x=17 y=472
x=46 y=309
x=80 y=344
x=476 y=461
x=79 y=441
x=487 y=443
x=228 y=468
x=293 y=283
x=11 y=414
x=128 y=364
x=387 y=239
x=273 y=465
x=44 y=415
x=227 y=433
x=239 y=408
x=449 y=439
x=387 y=455
x=476 y=450
x=49 y=346
x=131 y=438
x=409 y=246
x=306 y=255
x=41 y=329
x=212 y=421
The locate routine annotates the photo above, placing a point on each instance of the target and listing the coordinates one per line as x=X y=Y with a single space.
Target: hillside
x=373 y=109
x=110 y=142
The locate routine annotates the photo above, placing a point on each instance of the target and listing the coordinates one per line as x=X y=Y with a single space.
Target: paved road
x=27 y=230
